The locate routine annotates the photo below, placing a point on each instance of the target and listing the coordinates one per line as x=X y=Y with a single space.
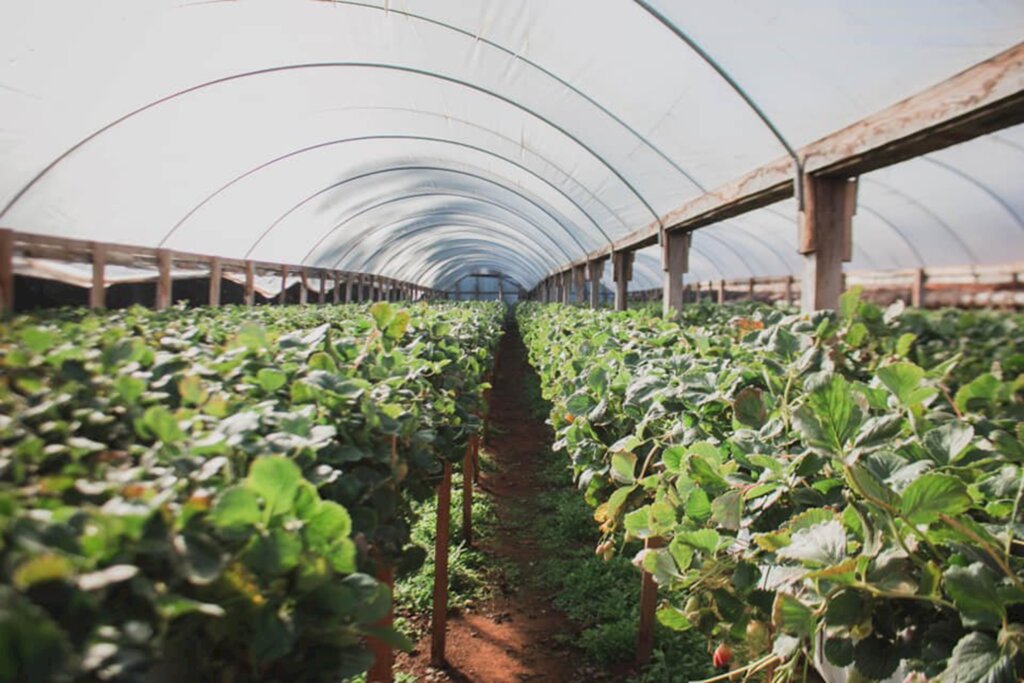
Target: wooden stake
x=439 y=621
x=648 y=606
x=789 y=290
x=163 y=283
x=323 y=288
x=674 y=262
x=917 y=290
x=468 y=472
x=98 y=291
x=215 y=277
x=304 y=287
x=825 y=239
x=250 y=284
x=382 y=670
x=283 y=297
x=6 y=271
x=337 y=288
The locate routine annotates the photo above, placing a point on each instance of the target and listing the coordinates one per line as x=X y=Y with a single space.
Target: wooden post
x=622 y=272
x=566 y=286
x=750 y=289
x=674 y=262
x=303 y=286
x=918 y=294
x=439 y=620
x=648 y=607
x=579 y=278
x=216 y=270
x=7 y=271
x=381 y=671
x=721 y=292
x=350 y=280
x=98 y=291
x=323 y=288
x=468 y=473
x=163 y=283
x=337 y=288
x=789 y=290
x=825 y=240
x=284 y=286
x=250 y=284
x=595 y=271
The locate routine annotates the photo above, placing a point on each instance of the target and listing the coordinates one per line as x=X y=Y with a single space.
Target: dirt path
x=513 y=637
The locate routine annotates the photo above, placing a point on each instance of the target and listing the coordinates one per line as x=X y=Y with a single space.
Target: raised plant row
x=203 y=494
x=838 y=493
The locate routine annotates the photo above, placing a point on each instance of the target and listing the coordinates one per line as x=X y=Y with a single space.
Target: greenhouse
x=620 y=340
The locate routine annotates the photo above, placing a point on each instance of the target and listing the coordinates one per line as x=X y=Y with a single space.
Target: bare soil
x=514 y=636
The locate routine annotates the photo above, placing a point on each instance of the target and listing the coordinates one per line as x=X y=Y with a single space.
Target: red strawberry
x=722 y=656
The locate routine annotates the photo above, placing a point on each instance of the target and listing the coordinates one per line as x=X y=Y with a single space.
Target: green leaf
x=382 y=313
x=192 y=390
x=389 y=636
x=705 y=540
x=792 y=616
x=831 y=417
x=839 y=651
x=202 y=558
x=749 y=409
x=673 y=618
x=130 y=388
x=37 y=339
x=618 y=499
x=727 y=509
x=849 y=303
x=977 y=394
x=252 y=336
x=163 y=425
x=681 y=553
x=820 y=545
x=672 y=457
x=271 y=380
x=876 y=658
x=903 y=344
x=397 y=325
x=276 y=479
x=174 y=606
x=933 y=494
x=328 y=525
x=902 y=379
x=977 y=658
x=698 y=507
x=237 y=510
x=275 y=553
x=846 y=608
x=624 y=468
x=41 y=569
x=974 y=592
x=948 y=443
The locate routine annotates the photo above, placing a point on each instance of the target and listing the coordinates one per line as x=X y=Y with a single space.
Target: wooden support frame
x=283 y=297
x=984 y=98
x=98 y=290
x=6 y=271
x=579 y=279
x=721 y=292
x=303 y=286
x=674 y=263
x=250 y=283
x=164 y=291
x=825 y=239
x=918 y=289
x=648 y=608
x=439 y=617
x=595 y=272
x=382 y=669
x=323 y=288
x=216 y=276
x=566 y=290
x=468 y=476
x=789 y=290
x=622 y=273
x=337 y=289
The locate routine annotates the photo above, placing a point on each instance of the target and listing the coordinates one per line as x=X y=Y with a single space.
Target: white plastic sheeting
x=430 y=139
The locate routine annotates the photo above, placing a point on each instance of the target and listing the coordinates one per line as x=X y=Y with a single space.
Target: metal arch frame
x=742 y=259
x=461 y=274
x=414 y=224
x=441 y=274
x=520 y=58
x=422 y=232
x=885 y=221
x=499 y=275
x=764 y=243
x=325 y=65
x=736 y=87
x=477 y=248
x=963 y=175
x=498 y=135
x=927 y=211
x=420 y=195
x=393 y=169
x=366 y=138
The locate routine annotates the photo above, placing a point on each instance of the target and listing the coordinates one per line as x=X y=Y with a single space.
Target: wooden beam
x=250 y=284
x=98 y=290
x=674 y=262
x=595 y=271
x=982 y=99
x=825 y=239
x=566 y=287
x=337 y=287
x=215 y=279
x=6 y=272
x=579 y=278
x=164 y=286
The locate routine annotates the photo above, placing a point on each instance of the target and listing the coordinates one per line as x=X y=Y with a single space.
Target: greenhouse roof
x=429 y=140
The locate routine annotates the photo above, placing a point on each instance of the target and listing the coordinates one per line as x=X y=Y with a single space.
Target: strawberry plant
x=201 y=494
x=838 y=492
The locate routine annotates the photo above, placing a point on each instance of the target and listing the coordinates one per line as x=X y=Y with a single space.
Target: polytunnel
x=422 y=143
